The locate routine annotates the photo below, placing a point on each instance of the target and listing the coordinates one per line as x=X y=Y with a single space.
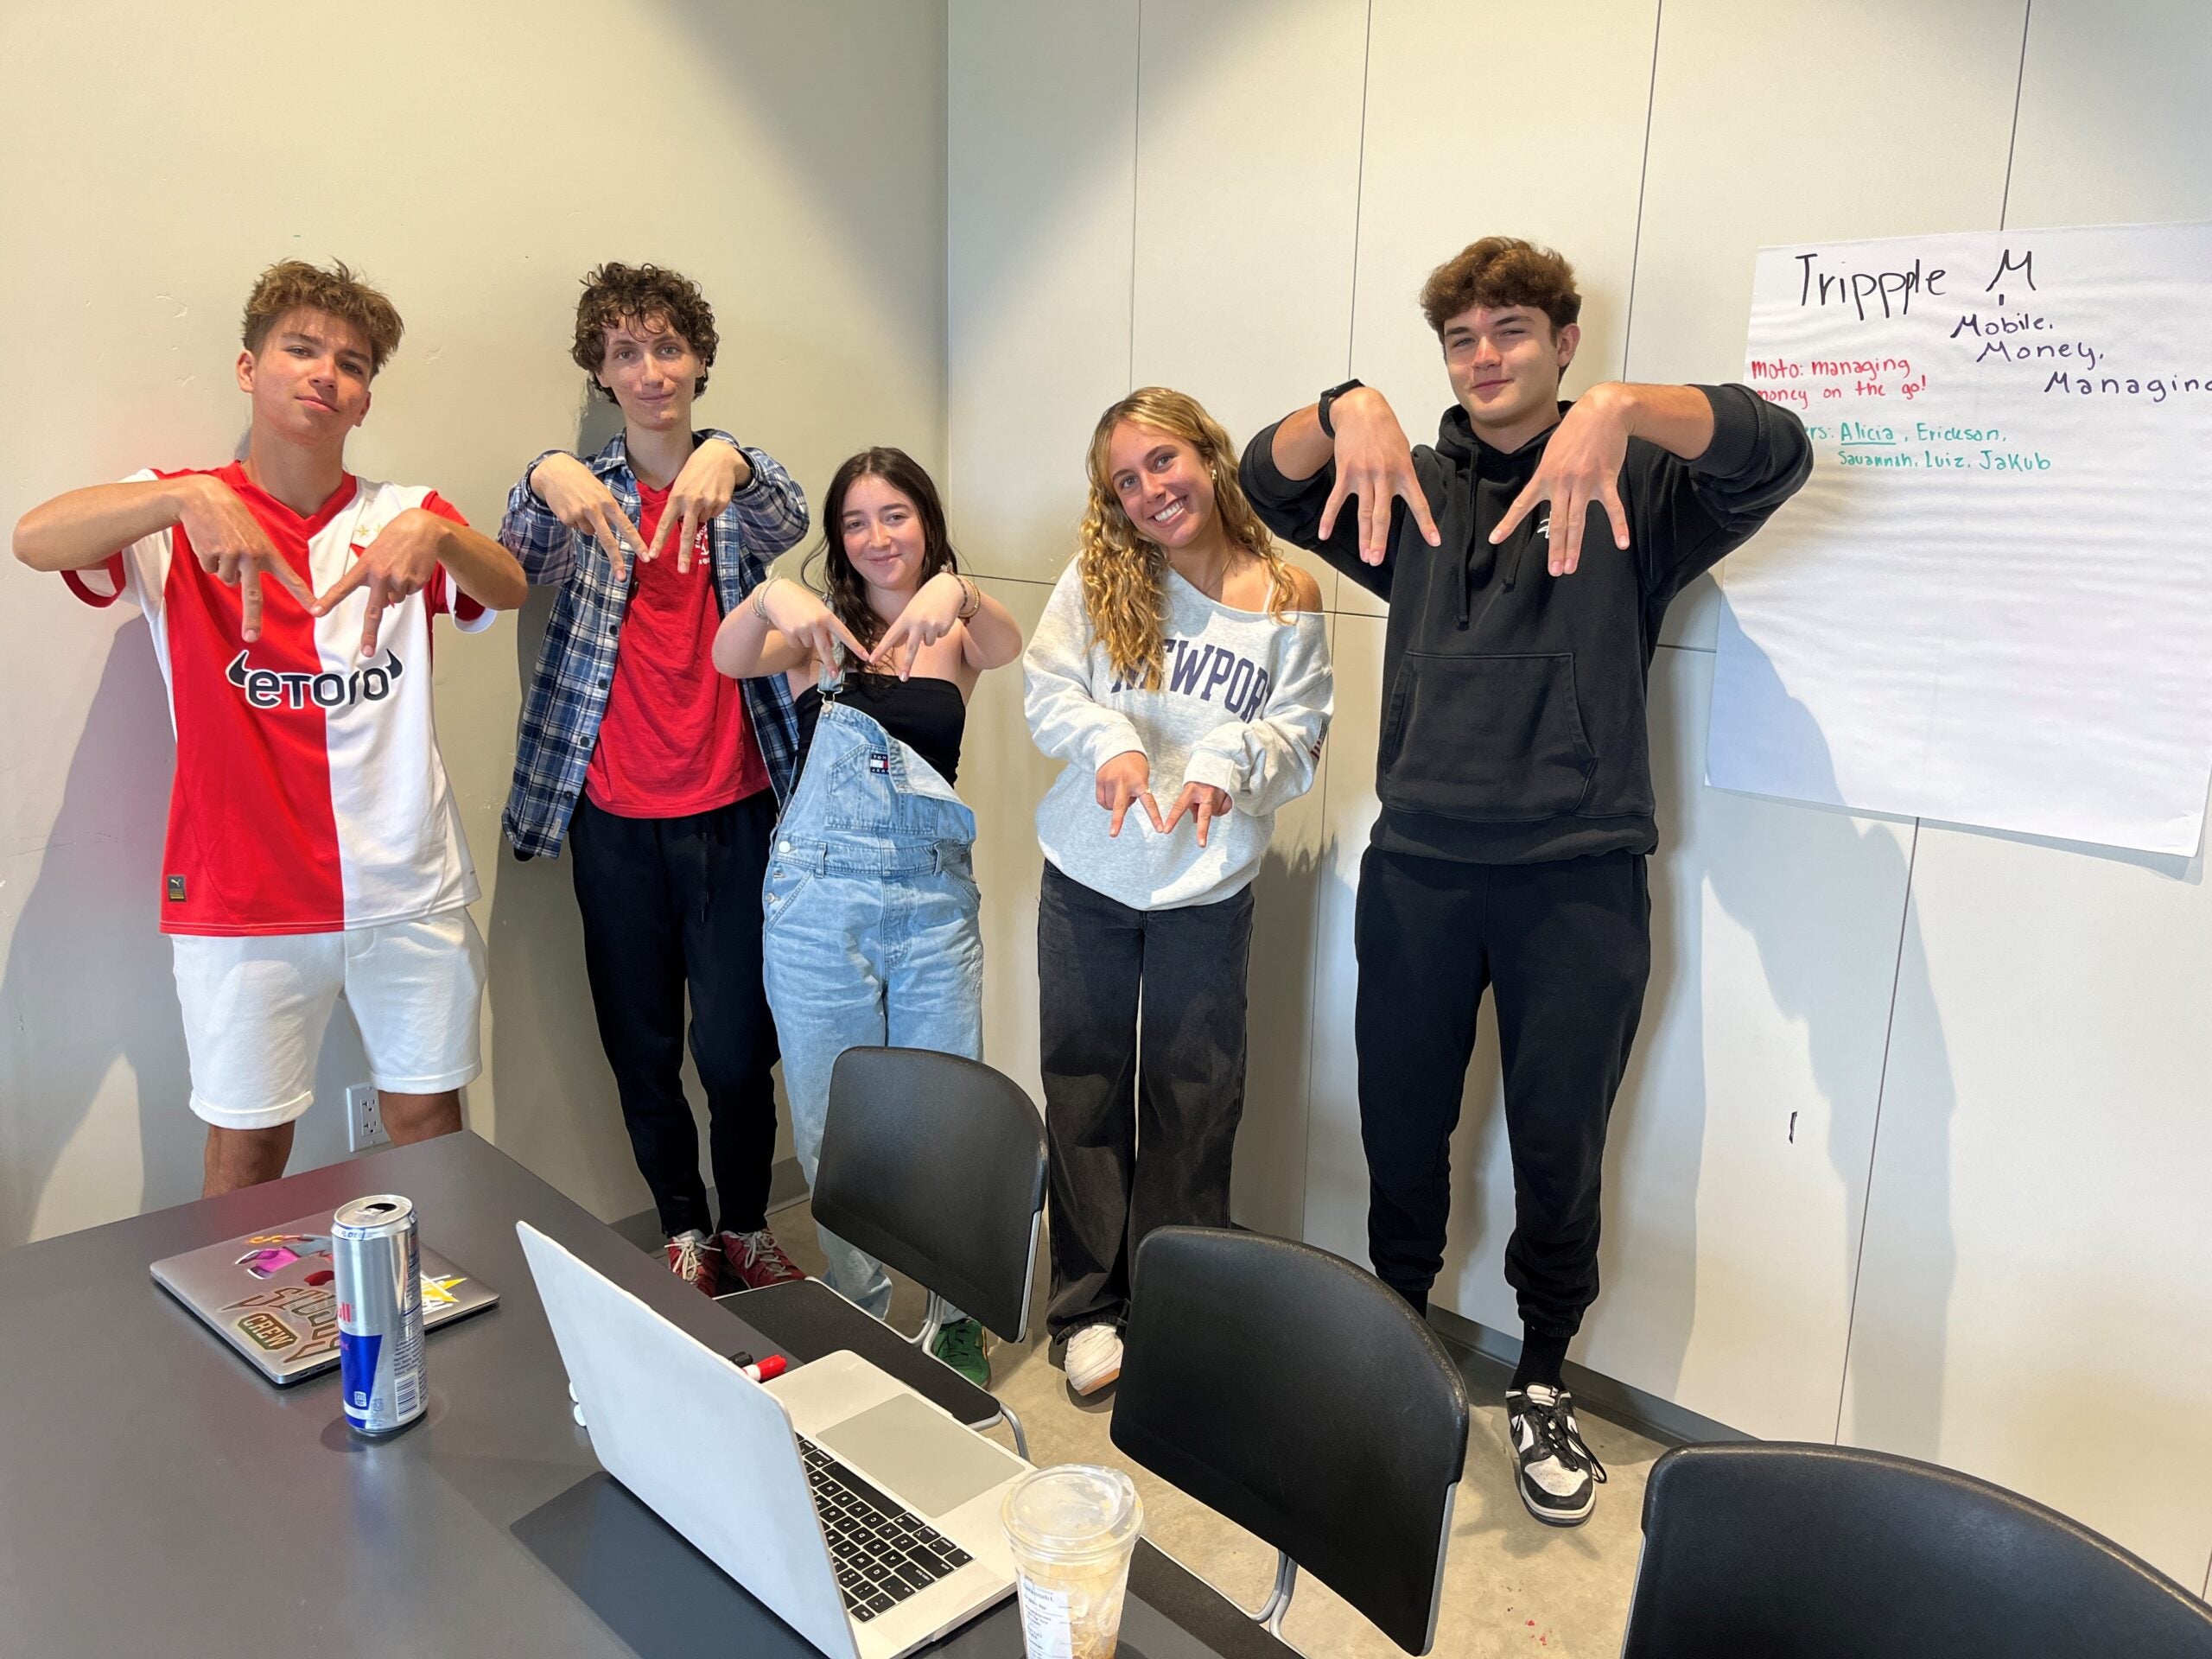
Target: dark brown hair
x=843 y=586
x=1501 y=270
x=644 y=294
x=292 y=285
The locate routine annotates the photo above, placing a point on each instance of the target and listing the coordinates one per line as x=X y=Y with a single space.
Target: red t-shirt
x=674 y=739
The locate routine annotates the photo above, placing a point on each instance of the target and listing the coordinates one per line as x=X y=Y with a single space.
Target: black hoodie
x=1512 y=711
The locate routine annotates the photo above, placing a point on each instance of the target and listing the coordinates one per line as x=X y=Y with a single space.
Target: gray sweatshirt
x=1243 y=704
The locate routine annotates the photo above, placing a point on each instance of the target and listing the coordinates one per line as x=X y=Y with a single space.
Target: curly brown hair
x=292 y=285
x=1124 y=571
x=1501 y=270
x=615 y=294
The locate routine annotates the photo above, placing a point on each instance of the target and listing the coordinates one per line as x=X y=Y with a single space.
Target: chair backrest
x=1820 y=1552
x=935 y=1165
x=1300 y=1397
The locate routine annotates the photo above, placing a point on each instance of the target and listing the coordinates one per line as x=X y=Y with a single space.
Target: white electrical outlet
x=365 y=1118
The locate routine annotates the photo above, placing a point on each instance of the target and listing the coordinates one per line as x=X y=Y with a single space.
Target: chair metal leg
x=1020 y=1435
x=932 y=1322
x=1270 y=1615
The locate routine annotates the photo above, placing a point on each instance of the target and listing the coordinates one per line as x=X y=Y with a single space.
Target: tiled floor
x=1511 y=1585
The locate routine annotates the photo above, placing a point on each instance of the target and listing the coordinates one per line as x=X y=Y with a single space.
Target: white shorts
x=256 y=1007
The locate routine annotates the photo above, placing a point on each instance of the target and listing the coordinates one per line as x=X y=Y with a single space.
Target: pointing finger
x=372 y=619
x=1337 y=493
x=1417 y=503
x=691 y=540
x=328 y=601
x=248 y=581
x=625 y=531
x=668 y=522
x=1617 y=513
x=1521 y=504
x=281 y=568
x=610 y=543
x=1153 y=807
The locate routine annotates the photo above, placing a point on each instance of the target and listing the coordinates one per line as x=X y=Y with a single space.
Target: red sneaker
x=756 y=1260
x=694 y=1259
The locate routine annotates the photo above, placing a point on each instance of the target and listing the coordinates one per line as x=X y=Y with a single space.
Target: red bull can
x=376 y=1260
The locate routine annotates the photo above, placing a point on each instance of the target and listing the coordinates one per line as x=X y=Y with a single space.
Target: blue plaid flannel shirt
x=576 y=665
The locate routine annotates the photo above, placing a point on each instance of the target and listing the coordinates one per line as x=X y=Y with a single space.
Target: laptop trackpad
x=934 y=1465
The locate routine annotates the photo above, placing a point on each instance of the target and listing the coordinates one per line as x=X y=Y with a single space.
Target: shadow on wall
x=89 y=982
x=1267 y=1180
x=557 y=1096
x=1794 y=908
x=90 y=985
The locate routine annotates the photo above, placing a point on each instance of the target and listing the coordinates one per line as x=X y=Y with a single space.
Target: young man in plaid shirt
x=663 y=775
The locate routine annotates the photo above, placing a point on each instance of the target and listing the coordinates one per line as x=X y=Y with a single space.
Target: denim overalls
x=869 y=931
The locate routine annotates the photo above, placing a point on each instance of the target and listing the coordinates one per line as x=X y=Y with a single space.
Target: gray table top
x=156 y=1495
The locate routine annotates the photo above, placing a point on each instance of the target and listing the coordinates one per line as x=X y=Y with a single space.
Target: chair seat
x=807 y=1316
x=1158 y=1580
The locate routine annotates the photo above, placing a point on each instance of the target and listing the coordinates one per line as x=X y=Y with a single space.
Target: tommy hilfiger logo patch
x=176 y=889
x=265 y=687
x=879 y=761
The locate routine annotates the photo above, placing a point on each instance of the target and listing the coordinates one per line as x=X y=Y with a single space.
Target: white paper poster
x=1992 y=604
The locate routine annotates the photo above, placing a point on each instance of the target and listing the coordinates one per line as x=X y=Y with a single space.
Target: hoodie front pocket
x=1496 y=739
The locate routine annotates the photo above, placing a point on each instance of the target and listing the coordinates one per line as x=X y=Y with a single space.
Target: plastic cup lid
x=1074 y=1508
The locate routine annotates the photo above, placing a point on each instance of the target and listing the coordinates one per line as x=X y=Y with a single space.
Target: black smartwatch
x=1321 y=409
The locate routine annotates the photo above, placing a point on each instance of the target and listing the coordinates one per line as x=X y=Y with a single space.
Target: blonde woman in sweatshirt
x=1181 y=671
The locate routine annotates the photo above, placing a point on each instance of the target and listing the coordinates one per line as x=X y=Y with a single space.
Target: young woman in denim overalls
x=870 y=933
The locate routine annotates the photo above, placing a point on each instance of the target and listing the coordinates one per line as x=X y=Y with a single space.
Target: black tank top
x=928 y=716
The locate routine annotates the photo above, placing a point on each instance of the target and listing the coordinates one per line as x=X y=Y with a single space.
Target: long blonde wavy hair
x=1125 y=573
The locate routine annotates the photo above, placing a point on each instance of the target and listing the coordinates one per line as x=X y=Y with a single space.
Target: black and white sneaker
x=1559 y=1476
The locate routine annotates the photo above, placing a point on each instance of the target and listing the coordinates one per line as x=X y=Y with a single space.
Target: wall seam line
x=2012 y=142
x=1874 y=1139
x=1360 y=195
x=1351 y=333
x=1642 y=185
x=1136 y=156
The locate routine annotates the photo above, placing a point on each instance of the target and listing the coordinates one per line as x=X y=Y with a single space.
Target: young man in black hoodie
x=1527 y=559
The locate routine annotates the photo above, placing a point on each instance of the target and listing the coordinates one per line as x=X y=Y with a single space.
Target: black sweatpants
x=1567 y=947
x=1141 y=1135
x=668 y=903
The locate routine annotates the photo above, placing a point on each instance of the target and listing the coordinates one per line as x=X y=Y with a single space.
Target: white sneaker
x=1558 y=1475
x=1094 y=1359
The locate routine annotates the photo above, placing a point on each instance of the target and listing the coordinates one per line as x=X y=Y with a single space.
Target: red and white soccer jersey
x=309 y=795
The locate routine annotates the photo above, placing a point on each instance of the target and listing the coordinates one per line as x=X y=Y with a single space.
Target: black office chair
x=935 y=1165
x=1300 y=1397
x=1823 y=1552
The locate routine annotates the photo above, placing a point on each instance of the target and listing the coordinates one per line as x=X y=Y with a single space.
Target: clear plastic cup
x=1073 y=1529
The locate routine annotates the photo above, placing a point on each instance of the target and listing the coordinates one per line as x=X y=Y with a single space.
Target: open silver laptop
x=860 y=1514
x=268 y=1294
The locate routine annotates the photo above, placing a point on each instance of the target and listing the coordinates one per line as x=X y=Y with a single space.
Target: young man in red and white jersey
x=314 y=847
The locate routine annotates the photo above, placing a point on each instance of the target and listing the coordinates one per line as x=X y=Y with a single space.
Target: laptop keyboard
x=883 y=1553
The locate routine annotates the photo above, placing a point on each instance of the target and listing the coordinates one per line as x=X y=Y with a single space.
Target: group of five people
x=755 y=776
